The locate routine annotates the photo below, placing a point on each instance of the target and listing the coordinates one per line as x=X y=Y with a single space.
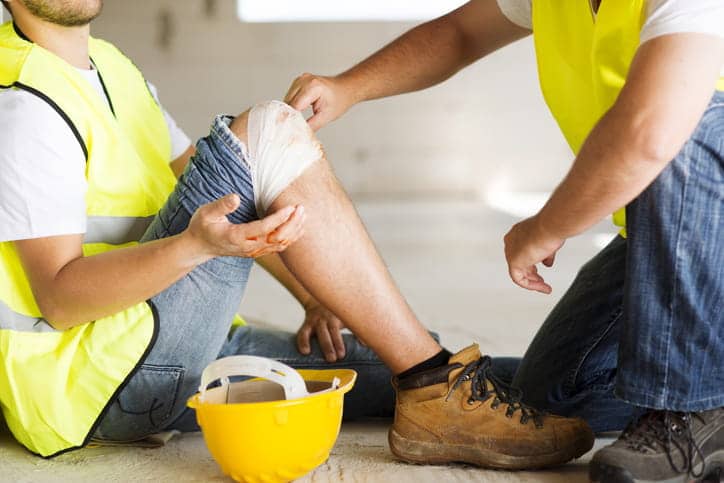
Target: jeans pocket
x=148 y=401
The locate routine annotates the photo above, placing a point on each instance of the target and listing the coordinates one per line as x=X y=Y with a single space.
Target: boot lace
x=479 y=372
x=668 y=431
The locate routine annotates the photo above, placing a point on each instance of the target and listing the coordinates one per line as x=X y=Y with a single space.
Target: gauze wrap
x=281 y=146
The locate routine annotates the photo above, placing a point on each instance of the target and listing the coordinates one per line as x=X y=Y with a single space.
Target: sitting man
x=119 y=283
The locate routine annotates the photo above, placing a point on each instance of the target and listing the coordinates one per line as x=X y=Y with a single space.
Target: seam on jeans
x=652 y=401
x=244 y=158
x=177 y=372
x=675 y=278
x=227 y=137
x=172 y=219
x=570 y=382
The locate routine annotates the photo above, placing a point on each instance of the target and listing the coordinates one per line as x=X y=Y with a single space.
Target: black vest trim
x=57 y=109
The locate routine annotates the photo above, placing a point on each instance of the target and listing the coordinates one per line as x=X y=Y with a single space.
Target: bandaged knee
x=281 y=146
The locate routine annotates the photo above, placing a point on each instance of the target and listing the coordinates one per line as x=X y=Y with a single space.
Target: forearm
x=612 y=168
x=423 y=57
x=274 y=265
x=432 y=52
x=88 y=288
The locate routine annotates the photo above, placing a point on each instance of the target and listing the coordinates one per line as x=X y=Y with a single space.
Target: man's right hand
x=328 y=97
x=215 y=236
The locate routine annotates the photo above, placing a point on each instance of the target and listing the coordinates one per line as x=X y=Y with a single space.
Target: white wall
x=487 y=128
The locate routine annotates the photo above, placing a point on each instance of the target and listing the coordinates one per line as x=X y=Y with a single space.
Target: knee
x=281 y=145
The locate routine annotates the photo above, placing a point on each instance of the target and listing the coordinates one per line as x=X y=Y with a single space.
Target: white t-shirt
x=42 y=166
x=662 y=16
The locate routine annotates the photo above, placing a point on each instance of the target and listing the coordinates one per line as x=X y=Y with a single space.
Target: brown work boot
x=462 y=413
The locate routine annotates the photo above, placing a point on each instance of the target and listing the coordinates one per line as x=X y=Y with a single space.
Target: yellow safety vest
x=56 y=385
x=583 y=60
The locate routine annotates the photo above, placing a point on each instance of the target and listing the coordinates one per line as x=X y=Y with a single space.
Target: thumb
x=316 y=122
x=548 y=262
x=223 y=206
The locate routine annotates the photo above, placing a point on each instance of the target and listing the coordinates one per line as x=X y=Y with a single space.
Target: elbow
x=653 y=136
x=55 y=313
x=657 y=148
x=655 y=142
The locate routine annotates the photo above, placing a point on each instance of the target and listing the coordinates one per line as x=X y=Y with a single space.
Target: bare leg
x=338 y=264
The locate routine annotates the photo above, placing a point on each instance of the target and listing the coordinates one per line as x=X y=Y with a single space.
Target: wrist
x=192 y=249
x=545 y=229
x=350 y=87
x=309 y=302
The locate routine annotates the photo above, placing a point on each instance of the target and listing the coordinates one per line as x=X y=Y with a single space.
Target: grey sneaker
x=664 y=446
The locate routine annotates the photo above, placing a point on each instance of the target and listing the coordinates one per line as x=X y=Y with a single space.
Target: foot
x=461 y=413
x=664 y=446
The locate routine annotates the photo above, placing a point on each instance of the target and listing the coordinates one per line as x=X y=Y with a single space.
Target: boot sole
x=603 y=473
x=424 y=452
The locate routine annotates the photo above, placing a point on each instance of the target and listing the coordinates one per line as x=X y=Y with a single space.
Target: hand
x=216 y=236
x=527 y=244
x=323 y=324
x=327 y=97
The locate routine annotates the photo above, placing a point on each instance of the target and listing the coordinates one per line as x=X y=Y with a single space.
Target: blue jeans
x=642 y=325
x=196 y=312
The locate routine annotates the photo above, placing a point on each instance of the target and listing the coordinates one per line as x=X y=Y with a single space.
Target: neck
x=68 y=43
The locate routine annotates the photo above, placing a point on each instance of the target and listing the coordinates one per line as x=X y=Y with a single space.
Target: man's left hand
x=526 y=245
x=326 y=327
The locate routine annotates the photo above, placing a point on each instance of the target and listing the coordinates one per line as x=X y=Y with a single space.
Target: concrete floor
x=447 y=259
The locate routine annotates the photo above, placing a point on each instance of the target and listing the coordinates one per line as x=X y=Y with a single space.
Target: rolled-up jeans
x=195 y=313
x=642 y=325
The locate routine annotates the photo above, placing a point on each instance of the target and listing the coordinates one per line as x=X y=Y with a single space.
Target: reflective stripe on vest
x=116 y=230
x=11 y=320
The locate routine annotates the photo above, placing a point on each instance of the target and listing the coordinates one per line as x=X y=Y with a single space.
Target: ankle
x=438 y=360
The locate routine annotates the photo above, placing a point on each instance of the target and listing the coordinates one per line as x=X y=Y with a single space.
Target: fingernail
x=300 y=209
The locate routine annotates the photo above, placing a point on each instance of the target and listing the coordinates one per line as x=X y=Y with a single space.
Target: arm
x=72 y=289
x=318 y=321
x=422 y=57
x=669 y=85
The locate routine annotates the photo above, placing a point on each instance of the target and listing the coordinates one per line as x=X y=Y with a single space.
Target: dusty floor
x=447 y=259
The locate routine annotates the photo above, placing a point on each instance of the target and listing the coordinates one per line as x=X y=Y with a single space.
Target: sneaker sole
x=424 y=452
x=602 y=473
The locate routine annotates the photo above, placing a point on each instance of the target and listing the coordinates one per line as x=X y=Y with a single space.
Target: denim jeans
x=642 y=325
x=196 y=312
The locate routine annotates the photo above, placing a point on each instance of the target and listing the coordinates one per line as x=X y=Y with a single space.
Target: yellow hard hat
x=276 y=427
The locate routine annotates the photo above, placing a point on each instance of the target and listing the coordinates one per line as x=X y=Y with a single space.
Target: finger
x=306 y=97
x=287 y=230
x=317 y=121
x=530 y=280
x=292 y=91
x=303 y=336
x=256 y=248
x=325 y=343
x=221 y=207
x=261 y=252
x=337 y=340
x=287 y=234
x=261 y=228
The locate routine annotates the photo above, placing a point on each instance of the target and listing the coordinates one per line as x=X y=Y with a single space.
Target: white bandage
x=281 y=147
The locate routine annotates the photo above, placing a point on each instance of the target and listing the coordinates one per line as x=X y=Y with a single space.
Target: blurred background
x=472 y=135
